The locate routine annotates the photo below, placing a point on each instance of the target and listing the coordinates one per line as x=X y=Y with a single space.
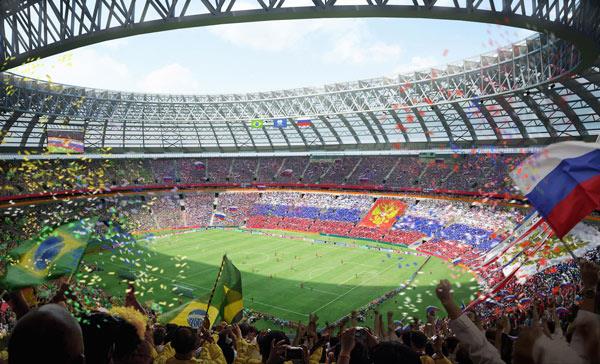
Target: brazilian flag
x=228 y=293
x=193 y=314
x=257 y=123
x=49 y=256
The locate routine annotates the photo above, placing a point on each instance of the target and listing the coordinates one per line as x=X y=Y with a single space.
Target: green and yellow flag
x=193 y=314
x=48 y=256
x=228 y=293
x=257 y=123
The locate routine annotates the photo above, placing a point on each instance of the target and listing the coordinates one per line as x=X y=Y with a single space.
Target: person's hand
x=237 y=331
x=277 y=354
x=206 y=323
x=503 y=324
x=443 y=291
x=373 y=340
x=306 y=354
x=589 y=274
x=437 y=344
x=523 y=347
x=390 y=325
x=347 y=341
x=205 y=335
x=535 y=317
x=341 y=327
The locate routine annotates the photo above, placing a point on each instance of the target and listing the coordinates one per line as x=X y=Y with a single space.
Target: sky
x=274 y=55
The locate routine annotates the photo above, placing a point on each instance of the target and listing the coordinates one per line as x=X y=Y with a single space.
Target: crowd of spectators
x=164 y=171
x=198 y=209
x=515 y=326
x=406 y=172
x=236 y=206
x=434 y=174
x=479 y=173
x=268 y=168
x=371 y=170
x=292 y=169
x=217 y=169
x=315 y=169
x=243 y=169
x=167 y=211
x=340 y=169
x=191 y=170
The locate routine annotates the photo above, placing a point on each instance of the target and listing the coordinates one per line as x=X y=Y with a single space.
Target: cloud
x=267 y=36
x=416 y=64
x=358 y=47
x=337 y=40
x=115 y=44
x=84 y=67
x=172 y=78
x=90 y=68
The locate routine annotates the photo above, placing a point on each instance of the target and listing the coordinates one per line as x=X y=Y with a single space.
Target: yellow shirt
x=426 y=359
x=167 y=353
x=178 y=361
x=247 y=353
x=212 y=354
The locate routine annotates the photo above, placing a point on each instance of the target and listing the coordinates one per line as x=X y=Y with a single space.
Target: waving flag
x=227 y=295
x=562 y=182
x=48 y=256
x=193 y=315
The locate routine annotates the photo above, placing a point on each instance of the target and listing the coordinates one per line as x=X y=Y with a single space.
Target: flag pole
x=212 y=292
x=569 y=250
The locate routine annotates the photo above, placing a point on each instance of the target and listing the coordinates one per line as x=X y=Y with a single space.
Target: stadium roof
x=542 y=89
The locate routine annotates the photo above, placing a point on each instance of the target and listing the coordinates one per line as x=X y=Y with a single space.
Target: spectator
x=46 y=335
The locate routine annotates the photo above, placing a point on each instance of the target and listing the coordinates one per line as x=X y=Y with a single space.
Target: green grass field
x=335 y=279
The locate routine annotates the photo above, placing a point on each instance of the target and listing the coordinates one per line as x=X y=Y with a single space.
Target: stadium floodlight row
x=540 y=90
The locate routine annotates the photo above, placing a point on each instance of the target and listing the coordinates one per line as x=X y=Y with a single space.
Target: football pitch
x=283 y=277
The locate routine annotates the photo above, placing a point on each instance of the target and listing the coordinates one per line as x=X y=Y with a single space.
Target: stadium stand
x=409 y=168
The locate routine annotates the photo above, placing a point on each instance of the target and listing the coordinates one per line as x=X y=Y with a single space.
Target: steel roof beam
x=490 y=119
x=583 y=93
x=440 y=116
x=426 y=131
x=566 y=109
x=325 y=120
x=8 y=124
x=30 y=126
x=459 y=110
x=379 y=127
x=250 y=136
x=513 y=116
x=530 y=102
x=350 y=128
x=399 y=123
x=67 y=24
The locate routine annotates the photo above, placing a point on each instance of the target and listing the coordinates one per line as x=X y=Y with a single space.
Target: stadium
x=281 y=226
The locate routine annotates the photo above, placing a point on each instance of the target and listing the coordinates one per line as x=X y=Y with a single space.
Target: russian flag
x=304 y=122
x=562 y=182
